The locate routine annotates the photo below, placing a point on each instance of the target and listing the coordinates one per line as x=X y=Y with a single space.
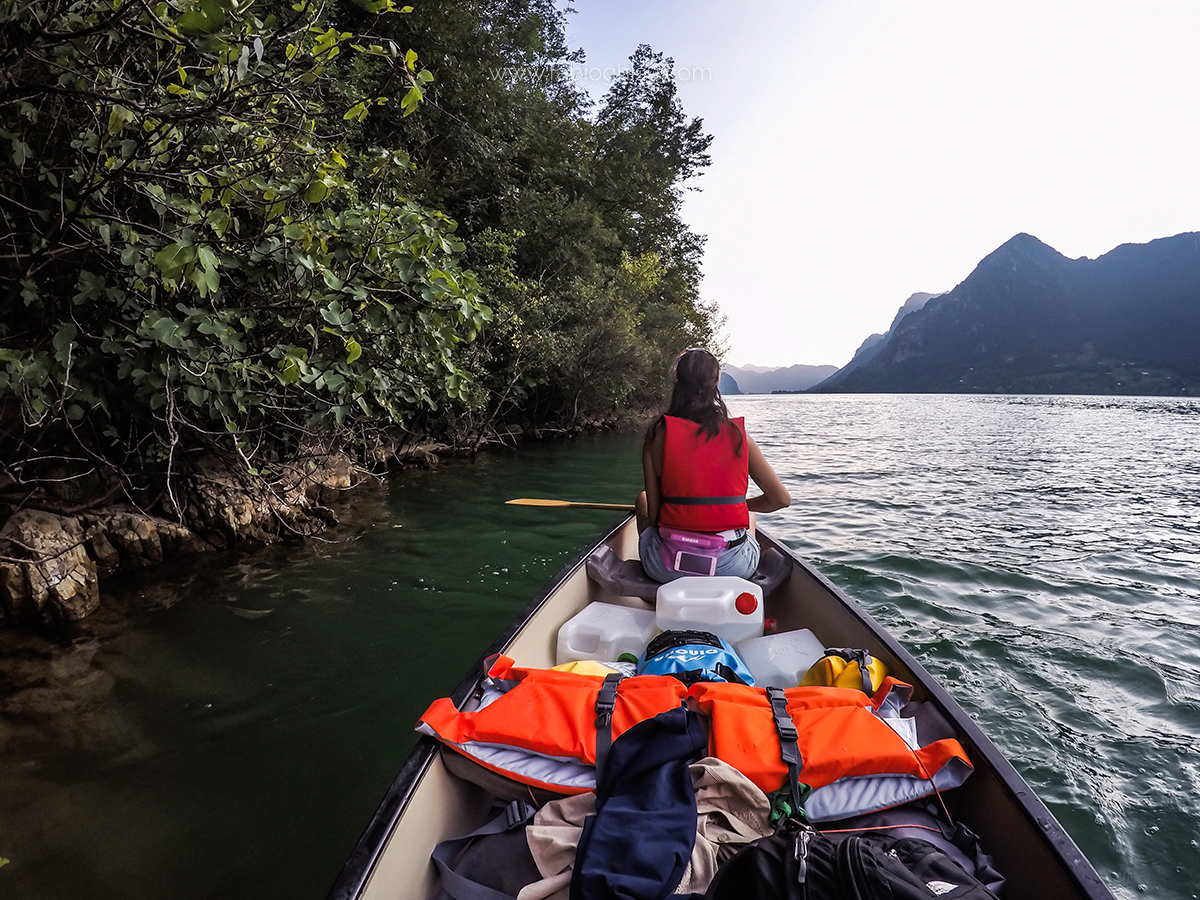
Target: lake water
x=227 y=727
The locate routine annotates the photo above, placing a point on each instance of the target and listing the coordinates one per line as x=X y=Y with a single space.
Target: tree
x=563 y=196
x=225 y=231
x=202 y=250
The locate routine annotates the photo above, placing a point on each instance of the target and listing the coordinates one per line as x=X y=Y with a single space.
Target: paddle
x=531 y=501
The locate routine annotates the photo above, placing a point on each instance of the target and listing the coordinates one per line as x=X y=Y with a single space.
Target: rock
x=100 y=549
x=59 y=571
x=136 y=539
x=53 y=561
x=227 y=509
x=124 y=538
x=425 y=453
x=39 y=703
x=14 y=592
x=175 y=539
x=322 y=477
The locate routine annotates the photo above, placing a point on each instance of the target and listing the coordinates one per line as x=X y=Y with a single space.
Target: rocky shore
x=54 y=554
x=57 y=675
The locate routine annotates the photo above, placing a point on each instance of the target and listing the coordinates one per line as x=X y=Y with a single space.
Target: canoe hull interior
x=427 y=804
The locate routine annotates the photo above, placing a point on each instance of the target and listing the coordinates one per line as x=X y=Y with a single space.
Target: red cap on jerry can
x=746 y=603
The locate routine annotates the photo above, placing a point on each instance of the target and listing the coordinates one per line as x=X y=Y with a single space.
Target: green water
x=251 y=710
x=226 y=729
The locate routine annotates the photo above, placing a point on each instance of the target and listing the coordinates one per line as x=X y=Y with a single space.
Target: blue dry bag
x=693 y=656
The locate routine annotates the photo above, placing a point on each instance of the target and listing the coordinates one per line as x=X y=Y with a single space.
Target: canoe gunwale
x=978 y=744
x=357 y=870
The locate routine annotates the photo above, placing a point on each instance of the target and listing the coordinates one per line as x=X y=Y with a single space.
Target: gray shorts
x=740 y=561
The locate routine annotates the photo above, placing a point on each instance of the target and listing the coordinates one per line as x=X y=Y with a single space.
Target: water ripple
x=1039 y=556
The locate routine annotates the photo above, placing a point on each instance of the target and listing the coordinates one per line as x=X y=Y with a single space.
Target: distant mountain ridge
x=870 y=348
x=766 y=380
x=1030 y=320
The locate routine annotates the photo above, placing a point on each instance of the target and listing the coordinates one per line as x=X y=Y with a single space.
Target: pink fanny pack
x=690 y=552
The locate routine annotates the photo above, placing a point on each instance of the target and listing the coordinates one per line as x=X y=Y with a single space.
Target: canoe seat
x=627 y=578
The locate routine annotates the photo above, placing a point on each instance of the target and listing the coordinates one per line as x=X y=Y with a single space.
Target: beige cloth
x=731 y=811
x=553 y=836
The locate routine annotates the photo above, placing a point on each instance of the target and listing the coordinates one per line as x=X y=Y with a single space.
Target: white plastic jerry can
x=729 y=607
x=603 y=631
x=780 y=660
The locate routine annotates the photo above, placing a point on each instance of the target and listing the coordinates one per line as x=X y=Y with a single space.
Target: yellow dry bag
x=844 y=668
x=584 y=667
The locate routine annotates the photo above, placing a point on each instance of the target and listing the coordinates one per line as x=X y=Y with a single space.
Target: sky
x=865 y=150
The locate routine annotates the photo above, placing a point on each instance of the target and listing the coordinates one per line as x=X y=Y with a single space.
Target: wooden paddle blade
x=534 y=501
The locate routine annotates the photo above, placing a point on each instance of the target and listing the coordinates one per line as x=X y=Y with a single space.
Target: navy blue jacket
x=637 y=845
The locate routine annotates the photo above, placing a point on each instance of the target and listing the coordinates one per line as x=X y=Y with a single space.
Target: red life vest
x=704 y=480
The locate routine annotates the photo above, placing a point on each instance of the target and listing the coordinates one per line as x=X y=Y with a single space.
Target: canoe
x=426 y=803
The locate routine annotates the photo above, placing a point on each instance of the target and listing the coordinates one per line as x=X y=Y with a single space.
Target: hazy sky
x=868 y=149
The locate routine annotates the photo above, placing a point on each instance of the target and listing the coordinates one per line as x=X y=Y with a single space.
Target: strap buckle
x=783 y=719
x=519 y=811
x=606 y=701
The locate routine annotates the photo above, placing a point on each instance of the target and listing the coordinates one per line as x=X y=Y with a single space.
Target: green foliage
x=555 y=197
x=199 y=234
x=225 y=228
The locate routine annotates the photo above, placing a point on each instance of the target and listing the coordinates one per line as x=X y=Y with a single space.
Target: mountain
x=727 y=385
x=873 y=344
x=1030 y=320
x=764 y=380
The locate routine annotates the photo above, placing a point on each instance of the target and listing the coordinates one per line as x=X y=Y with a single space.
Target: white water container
x=780 y=660
x=729 y=607
x=603 y=631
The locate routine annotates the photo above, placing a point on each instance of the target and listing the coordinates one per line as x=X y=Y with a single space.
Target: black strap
x=729 y=675
x=704 y=501
x=697 y=676
x=863 y=658
x=606 y=702
x=669 y=640
x=788 y=748
x=515 y=814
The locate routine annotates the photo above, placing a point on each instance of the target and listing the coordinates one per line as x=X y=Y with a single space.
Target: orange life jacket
x=839 y=735
x=698 y=469
x=549 y=714
x=542 y=730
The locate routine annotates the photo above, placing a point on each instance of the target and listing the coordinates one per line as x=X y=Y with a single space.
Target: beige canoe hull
x=427 y=804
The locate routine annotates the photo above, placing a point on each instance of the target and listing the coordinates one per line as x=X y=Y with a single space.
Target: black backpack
x=799 y=863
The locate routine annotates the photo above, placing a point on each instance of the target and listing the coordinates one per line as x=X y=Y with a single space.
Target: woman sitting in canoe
x=694 y=516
